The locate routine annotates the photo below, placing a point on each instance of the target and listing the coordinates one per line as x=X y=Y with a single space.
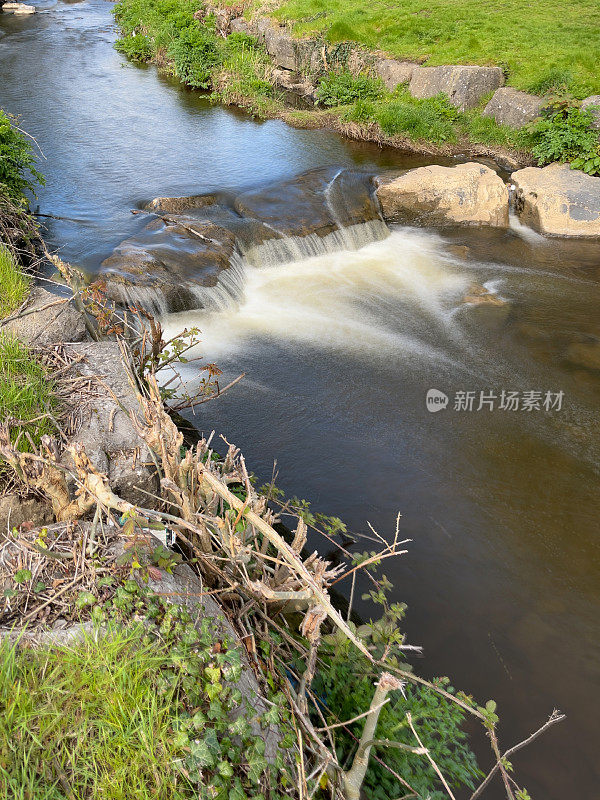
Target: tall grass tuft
x=14 y=285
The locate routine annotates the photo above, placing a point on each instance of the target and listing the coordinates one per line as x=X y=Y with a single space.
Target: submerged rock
x=585 y=354
x=513 y=108
x=464 y=85
x=478 y=295
x=318 y=201
x=558 y=201
x=163 y=265
x=468 y=194
x=17 y=8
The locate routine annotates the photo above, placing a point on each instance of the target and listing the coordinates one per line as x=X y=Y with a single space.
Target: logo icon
x=435 y=400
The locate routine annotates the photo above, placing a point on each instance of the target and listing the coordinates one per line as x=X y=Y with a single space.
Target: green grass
x=90 y=715
x=14 y=285
x=538 y=42
x=26 y=393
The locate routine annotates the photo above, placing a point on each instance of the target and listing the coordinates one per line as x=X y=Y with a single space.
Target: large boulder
x=592 y=103
x=164 y=266
x=558 y=201
x=513 y=108
x=468 y=194
x=281 y=47
x=103 y=412
x=47 y=320
x=464 y=85
x=393 y=72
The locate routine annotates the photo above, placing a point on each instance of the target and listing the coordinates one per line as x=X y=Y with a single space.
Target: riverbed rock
x=178 y=205
x=585 y=354
x=464 y=85
x=558 y=201
x=281 y=47
x=17 y=8
x=49 y=319
x=103 y=415
x=316 y=202
x=513 y=108
x=592 y=103
x=468 y=194
x=164 y=266
x=393 y=72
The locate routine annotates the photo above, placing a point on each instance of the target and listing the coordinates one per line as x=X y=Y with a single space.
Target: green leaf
x=22 y=575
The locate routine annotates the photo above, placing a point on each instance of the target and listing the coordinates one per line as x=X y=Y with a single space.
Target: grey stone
x=104 y=425
x=513 y=108
x=261 y=26
x=464 y=85
x=241 y=25
x=558 y=201
x=280 y=46
x=393 y=73
x=46 y=326
x=593 y=104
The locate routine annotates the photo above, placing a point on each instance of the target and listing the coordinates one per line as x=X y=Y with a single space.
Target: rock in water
x=513 y=108
x=17 y=8
x=468 y=194
x=558 y=201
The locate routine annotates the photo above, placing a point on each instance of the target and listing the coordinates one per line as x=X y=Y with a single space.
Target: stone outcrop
x=281 y=47
x=558 y=201
x=163 y=265
x=513 y=108
x=393 y=73
x=468 y=194
x=592 y=103
x=464 y=85
x=48 y=319
x=104 y=425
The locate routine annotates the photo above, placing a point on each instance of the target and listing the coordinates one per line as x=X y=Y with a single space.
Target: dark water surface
x=502 y=576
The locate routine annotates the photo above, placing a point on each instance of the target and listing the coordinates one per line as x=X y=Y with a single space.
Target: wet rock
x=585 y=354
x=17 y=8
x=592 y=104
x=177 y=205
x=318 y=201
x=513 y=108
x=50 y=322
x=465 y=86
x=164 y=265
x=15 y=510
x=393 y=72
x=478 y=295
x=468 y=194
x=104 y=422
x=558 y=201
x=281 y=47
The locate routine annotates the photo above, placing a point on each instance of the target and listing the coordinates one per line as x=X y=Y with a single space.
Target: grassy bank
x=538 y=44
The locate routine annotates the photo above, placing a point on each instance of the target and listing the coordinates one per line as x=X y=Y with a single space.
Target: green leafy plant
x=564 y=133
x=18 y=173
x=195 y=55
x=135 y=48
x=342 y=88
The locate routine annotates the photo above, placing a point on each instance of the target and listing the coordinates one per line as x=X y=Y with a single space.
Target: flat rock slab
x=513 y=108
x=47 y=319
x=464 y=85
x=104 y=424
x=558 y=201
x=468 y=194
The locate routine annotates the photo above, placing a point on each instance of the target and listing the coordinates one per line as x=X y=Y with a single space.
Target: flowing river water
x=340 y=346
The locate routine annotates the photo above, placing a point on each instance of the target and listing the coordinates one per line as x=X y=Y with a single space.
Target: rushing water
x=340 y=348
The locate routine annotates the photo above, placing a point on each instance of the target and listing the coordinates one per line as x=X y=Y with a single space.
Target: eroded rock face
x=513 y=108
x=558 y=201
x=104 y=424
x=162 y=265
x=468 y=194
x=50 y=323
x=592 y=104
x=318 y=201
x=464 y=85
x=280 y=46
x=393 y=72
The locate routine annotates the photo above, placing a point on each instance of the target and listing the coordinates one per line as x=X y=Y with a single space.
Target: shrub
x=195 y=55
x=136 y=47
x=14 y=285
x=342 y=88
x=17 y=161
x=564 y=133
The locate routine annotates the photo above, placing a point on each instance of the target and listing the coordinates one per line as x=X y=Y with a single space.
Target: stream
x=340 y=345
